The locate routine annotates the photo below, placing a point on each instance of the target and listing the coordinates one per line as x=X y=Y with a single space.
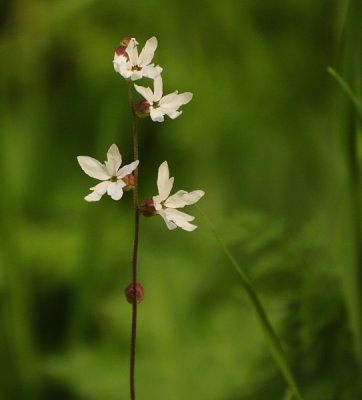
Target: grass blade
x=346 y=88
x=274 y=344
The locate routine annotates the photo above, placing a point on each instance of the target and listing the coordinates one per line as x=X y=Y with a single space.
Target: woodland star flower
x=166 y=205
x=163 y=105
x=114 y=179
x=134 y=66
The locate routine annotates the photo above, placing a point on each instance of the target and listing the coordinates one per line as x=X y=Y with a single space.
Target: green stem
x=346 y=88
x=275 y=346
x=288 y=395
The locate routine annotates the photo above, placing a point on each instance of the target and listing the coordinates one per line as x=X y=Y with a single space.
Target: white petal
x=157 y=91
x=151 y=71
x=115 y=189
x=170 y=103
x=184 y=98
x=170 y=224
x=164 y=182
x=132 y=52
x=170 y=100
x=157 y=202
x=101 y=187
x=156 y=114
x=98 y=191
x=182 y=198
x=116 y=67
x=119 y=62
x=181 y=219
x=93 y=168
x=136 y=75
x=186 y=226
x=145 y=92
x=175 y=100
x=147 y=52
x=173 y=114
x=127 y=169
x=114 y=160
x=125 y=70
x=93 y=196
x=177 y=215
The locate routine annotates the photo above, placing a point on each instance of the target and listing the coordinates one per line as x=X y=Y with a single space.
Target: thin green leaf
x=346 y=88
x=275 y=346
x=288 y=395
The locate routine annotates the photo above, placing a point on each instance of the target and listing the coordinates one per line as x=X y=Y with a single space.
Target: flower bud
x=147 y=208
x=129 y=291
x=125 y=41
x=142 y=109
x=129 y=181
x=121 y=49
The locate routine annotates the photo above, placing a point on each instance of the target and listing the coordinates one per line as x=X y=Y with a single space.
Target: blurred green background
x=269 y=136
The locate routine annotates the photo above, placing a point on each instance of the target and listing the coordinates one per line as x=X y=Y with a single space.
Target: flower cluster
x=133 y=65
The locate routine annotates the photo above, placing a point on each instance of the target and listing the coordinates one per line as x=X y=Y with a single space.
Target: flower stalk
x=135 y=248
x=115 y=180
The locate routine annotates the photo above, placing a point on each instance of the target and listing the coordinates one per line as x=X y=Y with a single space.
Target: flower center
x=136 y=68
x=113 y=179
x=155 y=104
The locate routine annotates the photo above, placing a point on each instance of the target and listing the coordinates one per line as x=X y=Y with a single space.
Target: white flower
x=166 y=105
x=166 y=205
x=109 y=173
x=133 y=66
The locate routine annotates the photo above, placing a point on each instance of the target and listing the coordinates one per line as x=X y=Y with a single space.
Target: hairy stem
x=135 y=248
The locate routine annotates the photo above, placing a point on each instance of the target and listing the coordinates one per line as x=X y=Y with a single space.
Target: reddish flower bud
x=129 y=181
x=142 y=109
x=129 y=292
x=147 y=208
x=125 y=41
x=121 y=49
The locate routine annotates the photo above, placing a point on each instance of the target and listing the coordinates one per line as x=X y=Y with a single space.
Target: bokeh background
x=269 y=136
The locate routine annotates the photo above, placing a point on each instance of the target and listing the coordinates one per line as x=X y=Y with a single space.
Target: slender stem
x=272 y=338
x=346 y=88
x=135 y=248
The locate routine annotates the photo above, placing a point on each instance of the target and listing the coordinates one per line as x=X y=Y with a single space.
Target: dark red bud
x=147 y=208
x=129 y=292
x=121 y=49
x=125 y=41
x=129 y=181
x=142 y=109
